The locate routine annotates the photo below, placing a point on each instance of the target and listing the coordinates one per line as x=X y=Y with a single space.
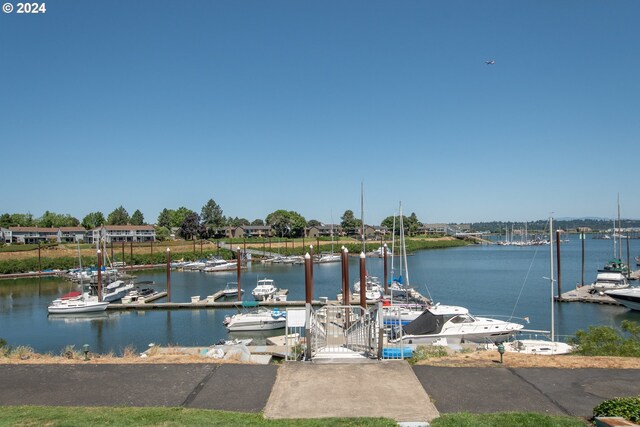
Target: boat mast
x=404 y=248
x=619 y=232
x=393 y=244
x=551 y=275
x=362 y=214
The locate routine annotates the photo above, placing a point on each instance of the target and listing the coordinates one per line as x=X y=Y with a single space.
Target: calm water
x=490 y=280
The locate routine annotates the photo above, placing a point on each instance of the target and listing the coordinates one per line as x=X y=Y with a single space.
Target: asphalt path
x=545 y=390
x=247 y=388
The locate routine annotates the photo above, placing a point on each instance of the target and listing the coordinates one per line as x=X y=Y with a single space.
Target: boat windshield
x=463 y=318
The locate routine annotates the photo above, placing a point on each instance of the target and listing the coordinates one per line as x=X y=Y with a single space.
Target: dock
x=582 y=294
x=211 y=301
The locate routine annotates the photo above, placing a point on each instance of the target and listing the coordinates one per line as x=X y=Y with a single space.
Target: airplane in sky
x=491 y=62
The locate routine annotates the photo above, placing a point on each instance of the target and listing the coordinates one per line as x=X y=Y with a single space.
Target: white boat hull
x=256 y=326
x=630 y=297
x=77 y=306
x=542 y=347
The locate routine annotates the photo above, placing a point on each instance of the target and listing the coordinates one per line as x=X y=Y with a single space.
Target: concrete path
x=381 y=389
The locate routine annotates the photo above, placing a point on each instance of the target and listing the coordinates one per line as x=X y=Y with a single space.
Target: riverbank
x=468 y=359
x=46 y=260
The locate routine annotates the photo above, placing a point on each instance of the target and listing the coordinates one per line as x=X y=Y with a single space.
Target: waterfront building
x=5 y=235
x=248 y=231
x=124 y=233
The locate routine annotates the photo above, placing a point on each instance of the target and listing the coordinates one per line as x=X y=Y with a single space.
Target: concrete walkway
x=379 y=389
x=311 y=390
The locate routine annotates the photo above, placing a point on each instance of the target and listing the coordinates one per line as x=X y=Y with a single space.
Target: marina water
x=498 y=281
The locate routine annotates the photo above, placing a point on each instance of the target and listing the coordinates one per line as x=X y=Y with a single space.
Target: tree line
x=209 y=223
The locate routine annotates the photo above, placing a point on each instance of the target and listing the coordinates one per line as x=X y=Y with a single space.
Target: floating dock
x=583 y=294
x=211 y=301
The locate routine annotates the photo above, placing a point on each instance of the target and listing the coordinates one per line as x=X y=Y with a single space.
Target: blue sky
x=265 y=105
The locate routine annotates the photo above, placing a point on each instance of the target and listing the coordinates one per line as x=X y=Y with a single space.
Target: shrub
x=423 y=352
x=606 y=341
x=625 y=407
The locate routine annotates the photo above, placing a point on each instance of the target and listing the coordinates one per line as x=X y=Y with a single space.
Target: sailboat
x=399 y=286
x=330 y=257
x=535 y=346
x=80 y=304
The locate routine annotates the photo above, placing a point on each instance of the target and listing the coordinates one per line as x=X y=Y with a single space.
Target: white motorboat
x=373 y=289
x=629 y=297
x=608 y=280
x=116 y=290
x=454 y=323
x=264 y=290
x=219 y=265
x=259 y=320
x=231 y=290
x=329 y=257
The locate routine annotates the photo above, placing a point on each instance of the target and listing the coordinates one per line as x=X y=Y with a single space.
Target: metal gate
x=335 y=331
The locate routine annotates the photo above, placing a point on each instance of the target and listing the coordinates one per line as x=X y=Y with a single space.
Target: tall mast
x=551 y=275
x=619 y=232
x=362 y=214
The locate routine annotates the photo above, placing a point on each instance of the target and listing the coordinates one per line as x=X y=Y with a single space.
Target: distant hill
x=568 y=224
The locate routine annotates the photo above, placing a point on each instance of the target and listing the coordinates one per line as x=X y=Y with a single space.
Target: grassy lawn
x=70 y=416
x=520 y=419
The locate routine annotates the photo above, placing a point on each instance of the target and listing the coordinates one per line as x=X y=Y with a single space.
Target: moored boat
x=264 y=290
x=454 y=323
x=629 y=297
x=258 y=320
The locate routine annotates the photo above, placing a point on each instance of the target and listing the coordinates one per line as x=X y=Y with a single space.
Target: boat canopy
x=425 y=324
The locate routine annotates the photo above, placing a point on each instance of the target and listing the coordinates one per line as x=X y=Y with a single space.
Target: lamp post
x=501 y=351
x=85 y=348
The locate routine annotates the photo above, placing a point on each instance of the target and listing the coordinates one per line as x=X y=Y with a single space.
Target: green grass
x=511 y=419
x=51 y=416
x=33 y=416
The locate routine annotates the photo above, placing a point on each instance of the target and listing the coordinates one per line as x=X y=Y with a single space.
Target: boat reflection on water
x=78 y=317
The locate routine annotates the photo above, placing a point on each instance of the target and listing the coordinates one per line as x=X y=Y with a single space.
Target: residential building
x=72 y=234
x=31 y=235
x=248 y=231
x=124 y=233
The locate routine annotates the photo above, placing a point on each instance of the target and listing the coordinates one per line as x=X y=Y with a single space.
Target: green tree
x=137 y=218
x=412 y=224
x=257 y=222
x=191 y=227
x=5 y=220
x=286 y=223
x=93 y=220
x=238 y=222
x=165 y=218
x=179 y=216
x=211 y=215
x=22 y=220
x=313 y=223
x=119 y=216
x=350 y=224
x=162 y=233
